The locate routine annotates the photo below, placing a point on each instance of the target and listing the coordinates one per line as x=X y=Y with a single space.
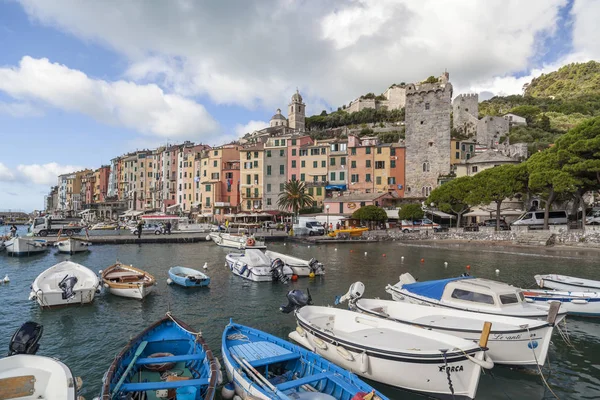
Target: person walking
x=168 y=227
x=139 y=229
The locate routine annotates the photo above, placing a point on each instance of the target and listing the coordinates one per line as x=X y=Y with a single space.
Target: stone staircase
x=536 y=238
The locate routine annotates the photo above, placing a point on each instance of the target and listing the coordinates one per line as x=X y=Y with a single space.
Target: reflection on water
x=87 y=338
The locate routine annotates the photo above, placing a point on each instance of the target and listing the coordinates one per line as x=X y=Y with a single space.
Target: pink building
x=293 y=155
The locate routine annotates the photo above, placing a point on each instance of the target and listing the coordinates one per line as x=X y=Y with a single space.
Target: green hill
x=570 y=81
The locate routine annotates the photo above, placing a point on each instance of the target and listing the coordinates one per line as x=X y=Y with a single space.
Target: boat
x=167 y=360
x=185 y=225
x=25 y=246
x=469 y=294
x=104 y=226
x=512 y=341
x=27 y=376
x=567 y=283
x=395 y=354
x=63 y=284
x=254 y=265
x=262 y=366
x=584 y=304
x=72 y=245
x=299 y=266
x=127 y=281
x=187 y=277
x=240 y=242
x=352 y=232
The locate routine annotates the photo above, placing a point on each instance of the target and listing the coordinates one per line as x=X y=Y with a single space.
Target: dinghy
x=63 y=284
x=127 y=281
x=167 y=360
x=72 y=245
x=469 y=294
x=239 y=242
x=583 y=304
x=395 y=354
x=262 y=366
x=26 y=376
x=299 y=266
x=566 y=283
x=187 y=277
x=254 y=265
x=21 y=246
x=513 y=341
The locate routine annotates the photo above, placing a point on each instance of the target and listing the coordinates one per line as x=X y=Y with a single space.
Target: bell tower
x=296 y=112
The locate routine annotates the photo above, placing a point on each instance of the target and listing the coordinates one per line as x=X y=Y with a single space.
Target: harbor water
x=87 y=338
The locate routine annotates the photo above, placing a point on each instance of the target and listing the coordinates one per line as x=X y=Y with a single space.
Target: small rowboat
x=72 y=245
x=187 y=277
x=168 y=357
x=584 y=304
x=563 y=282
x=127 y=281
x=291 y=371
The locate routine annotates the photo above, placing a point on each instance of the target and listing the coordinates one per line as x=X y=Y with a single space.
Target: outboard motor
x=277 y=271
x=67 y=286
x=357 y=289
x=315 y=266
x=296 y=300
x=25 y=339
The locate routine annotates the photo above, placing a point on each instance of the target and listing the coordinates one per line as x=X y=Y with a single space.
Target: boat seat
x=17 y=386
x=160 y=360
x=144 y=386
x=261 y=362
x=304 y=380
x=258 y=351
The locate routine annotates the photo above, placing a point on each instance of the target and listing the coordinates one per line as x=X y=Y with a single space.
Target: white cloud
x=251 y=126
x=20 y=110
x=254 y=54
x=144 y=108
x=38 y=174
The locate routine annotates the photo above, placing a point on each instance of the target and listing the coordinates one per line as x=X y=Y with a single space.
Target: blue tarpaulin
x=336 y=187
x=432 y=289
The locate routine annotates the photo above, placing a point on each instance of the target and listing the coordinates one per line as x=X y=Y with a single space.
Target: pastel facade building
x=461 y=150
x=219 y=180
x=295 y=143
x=337 y=172
x=276 y=165
x=251 y=177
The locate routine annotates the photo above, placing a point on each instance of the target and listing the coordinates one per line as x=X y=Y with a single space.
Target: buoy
x=402 y=258
x=285 y=244
x=309 y=246
x=468 y=267
x=445 y=263
x=311 y=275
x=228 y=391
x=205 y=266
x=207 y=238
x=422 y=260
x=365 y=253
x=335 y=249
x=100 y=272
x=169 y=281
x=497 y=272
x=294 y=278
x=384 y=255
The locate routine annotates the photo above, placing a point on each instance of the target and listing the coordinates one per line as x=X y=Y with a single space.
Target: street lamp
x=327 y=208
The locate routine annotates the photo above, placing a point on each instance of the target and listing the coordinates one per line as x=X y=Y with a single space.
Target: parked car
x=593 y=217
x=157 y=229
x=270 y=225
x=419 y=224
x=492 y=222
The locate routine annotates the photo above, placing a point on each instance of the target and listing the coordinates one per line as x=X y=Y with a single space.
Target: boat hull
x=175 y=274
x=234 y=242
x=241 y=269
x=24 y=246
x=299 y=266
x=567 y=283
x=53 y=379
x=127 y=281
x=71 y=246
x=131 y=292
x=574 y=303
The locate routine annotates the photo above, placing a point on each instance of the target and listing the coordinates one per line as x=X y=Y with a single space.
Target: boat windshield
x=475 y=297
x=509 y=298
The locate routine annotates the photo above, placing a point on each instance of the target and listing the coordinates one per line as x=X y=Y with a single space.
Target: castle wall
x=490 y=129
x=465 y=113
x=428 y=108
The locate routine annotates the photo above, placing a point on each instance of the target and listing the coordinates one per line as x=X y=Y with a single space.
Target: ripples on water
x=87 y=338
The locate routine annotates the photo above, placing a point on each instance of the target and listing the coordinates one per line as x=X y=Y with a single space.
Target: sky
x=82 y=82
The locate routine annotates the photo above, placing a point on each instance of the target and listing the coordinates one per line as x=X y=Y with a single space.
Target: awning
x=392 y=214
x=131 y=213
x=86 y=211
x=173 y=207
x=336 y=187
x=441 y=214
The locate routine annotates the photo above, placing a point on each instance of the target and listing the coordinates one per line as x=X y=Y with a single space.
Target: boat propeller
x=277 y=272
x=356 y=291
x=25 y=339
x=296 y=300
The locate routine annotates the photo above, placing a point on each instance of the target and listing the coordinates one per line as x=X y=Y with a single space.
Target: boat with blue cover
x=262 y=366
x=188 y=277
x=168 y=358
x=470 y=294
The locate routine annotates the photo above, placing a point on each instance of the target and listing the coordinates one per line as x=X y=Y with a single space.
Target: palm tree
x=294 y=197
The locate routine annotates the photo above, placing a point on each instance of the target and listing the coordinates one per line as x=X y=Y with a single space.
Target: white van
x=593 y=217
x=536 y=218
x=308 y=226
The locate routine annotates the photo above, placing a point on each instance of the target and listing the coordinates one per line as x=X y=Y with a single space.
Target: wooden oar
x=261 y=380
x=137 y=354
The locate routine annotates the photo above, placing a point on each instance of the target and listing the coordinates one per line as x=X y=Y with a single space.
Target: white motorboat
x=469 y=294
x=127 y=281
x=512 y=341
x=188 y=226
x=72 y=245
x=584 y=304
x=299 y=266
x=256 y=266
x=567 y=283
x=104 y=226
x=24 y=246
x=395 y=354
x=240 y=242
x=65 y=283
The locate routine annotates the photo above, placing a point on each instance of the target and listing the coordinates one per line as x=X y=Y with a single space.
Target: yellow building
x=251 y=177
x=461 y=150
x=314 y=169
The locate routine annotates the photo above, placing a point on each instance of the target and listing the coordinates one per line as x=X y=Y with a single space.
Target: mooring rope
x=538 y=365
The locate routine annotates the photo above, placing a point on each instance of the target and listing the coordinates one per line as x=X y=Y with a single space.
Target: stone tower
x=296 y=112
x=428 y=108
x=465 y=113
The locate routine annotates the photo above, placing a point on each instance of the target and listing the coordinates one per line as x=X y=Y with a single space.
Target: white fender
x=529 y=300
x=579 y=301
x=486 y=363
x=169 y=281
x=344 y=353
x=301 y=331
x=364 y=362
x=319 y=343
x=303 y=340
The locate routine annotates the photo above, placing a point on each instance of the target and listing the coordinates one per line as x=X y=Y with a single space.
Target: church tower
x=296 y=112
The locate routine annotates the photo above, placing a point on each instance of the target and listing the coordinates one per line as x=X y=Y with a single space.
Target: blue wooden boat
x=167 y=356
x=262 y=366
x=188 y=277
